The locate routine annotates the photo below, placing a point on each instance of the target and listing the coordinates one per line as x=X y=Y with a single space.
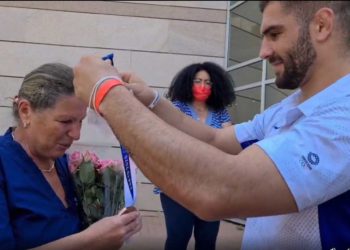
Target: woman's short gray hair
x=44 y=85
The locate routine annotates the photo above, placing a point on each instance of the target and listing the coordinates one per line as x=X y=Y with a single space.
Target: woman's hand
x=108 y=233
x=112 y=232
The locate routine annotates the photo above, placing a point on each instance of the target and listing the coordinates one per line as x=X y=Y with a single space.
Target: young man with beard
x=293 y=182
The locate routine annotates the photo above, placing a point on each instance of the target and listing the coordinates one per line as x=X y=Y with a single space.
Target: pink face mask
x=201 y=92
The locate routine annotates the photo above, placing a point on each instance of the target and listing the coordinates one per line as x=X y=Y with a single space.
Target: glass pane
x=245 y=38
x=246 y=106
x=232 y=2
x=274 y=94
x=247 y=74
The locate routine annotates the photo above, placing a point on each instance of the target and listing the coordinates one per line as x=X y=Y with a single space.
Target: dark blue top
x=31 y=214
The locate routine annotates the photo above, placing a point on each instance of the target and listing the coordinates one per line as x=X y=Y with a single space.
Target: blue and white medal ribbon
x=129 y=166
x=129 y=178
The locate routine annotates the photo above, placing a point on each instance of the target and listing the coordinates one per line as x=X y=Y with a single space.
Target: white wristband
x=155 y=100
x=95 y=88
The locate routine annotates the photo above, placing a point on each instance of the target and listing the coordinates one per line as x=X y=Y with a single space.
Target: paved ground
x=153 y=233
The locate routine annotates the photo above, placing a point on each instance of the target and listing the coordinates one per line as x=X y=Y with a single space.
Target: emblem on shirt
x=310 y=161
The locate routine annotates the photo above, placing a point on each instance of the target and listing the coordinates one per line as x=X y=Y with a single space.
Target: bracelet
x=102 y=91
x=95 y=88
x=155 y=100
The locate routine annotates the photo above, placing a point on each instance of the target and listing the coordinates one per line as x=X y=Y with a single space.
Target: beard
x=297 y=62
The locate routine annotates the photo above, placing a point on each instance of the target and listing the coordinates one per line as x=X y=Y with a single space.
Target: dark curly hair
x=222 y=89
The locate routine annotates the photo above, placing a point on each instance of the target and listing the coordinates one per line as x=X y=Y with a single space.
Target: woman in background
x=202 y=91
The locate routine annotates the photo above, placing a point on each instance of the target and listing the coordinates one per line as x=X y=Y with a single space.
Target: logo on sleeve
x=310 y=161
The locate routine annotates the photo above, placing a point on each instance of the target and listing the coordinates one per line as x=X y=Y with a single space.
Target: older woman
x=38 y=204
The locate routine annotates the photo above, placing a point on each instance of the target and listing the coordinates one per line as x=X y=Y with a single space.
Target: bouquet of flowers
x=99 y=185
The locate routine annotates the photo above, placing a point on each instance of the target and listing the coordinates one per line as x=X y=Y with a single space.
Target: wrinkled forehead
x=69 y=104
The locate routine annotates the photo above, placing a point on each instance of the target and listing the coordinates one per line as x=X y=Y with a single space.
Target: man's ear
x=322 y=24
x=24 y=112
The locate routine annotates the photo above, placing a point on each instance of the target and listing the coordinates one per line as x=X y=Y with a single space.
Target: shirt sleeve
x=248 y=133
x=7 y=240
x=313 y=156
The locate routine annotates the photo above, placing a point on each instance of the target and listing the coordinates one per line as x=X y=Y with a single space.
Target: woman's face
x=202 y=78
x=201 y=88
x=52 y=131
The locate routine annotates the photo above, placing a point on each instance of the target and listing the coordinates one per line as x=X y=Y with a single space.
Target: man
x=294 y=180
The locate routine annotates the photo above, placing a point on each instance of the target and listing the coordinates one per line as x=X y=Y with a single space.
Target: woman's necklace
x=48 y=170
x=42 y=170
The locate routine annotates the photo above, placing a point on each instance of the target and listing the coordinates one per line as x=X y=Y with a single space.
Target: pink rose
x=116 y=165
x=75 y=159
x=89 y=156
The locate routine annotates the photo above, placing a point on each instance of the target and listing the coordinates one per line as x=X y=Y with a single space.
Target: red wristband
x=103 y=90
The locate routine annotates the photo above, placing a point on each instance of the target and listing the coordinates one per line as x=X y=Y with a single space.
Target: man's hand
x=138 y=87
x=87 y=72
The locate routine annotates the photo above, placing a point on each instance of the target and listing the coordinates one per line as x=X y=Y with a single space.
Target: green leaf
x=118 y=193
x=86 y=209
x=108 y=177
x=99 y=194
x=87 y=173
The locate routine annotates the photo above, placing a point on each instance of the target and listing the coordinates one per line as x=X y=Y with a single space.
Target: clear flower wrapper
x=99 y=185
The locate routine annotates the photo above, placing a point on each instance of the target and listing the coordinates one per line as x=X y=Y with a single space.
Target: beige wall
x=153 y=38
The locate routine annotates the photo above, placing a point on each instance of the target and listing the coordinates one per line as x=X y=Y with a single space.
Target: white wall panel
x=189 y=37
x=18 y=59
x=107 y=31
x=8 y=88
x=194 y=4
x=139 y=9
x=159 y=69
x=6 y=119
x=156 y=69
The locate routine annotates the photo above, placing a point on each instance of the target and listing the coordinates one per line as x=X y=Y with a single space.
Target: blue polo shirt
x=309 y=144
x=31 y=214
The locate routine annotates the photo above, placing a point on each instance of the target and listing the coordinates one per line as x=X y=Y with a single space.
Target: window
x=244 y=30
x=253 y=77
